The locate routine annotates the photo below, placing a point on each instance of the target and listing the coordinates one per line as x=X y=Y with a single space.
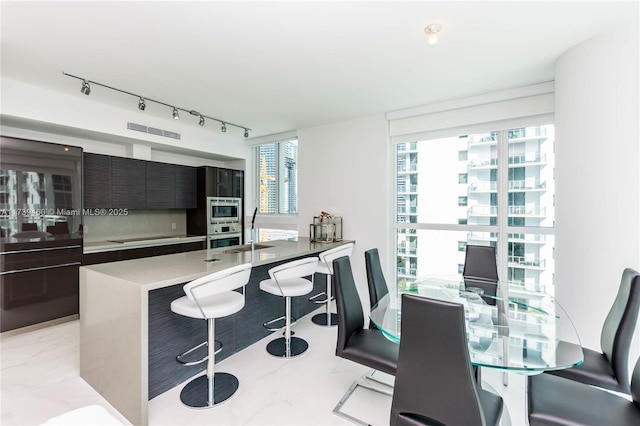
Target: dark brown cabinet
x=96 y=181
x=116 y=182
x=226 y=183
x=160 y=185
x=128 y=183
x=137 y=253
x=185 y=187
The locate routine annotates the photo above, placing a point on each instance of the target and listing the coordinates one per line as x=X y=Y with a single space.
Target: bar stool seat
x=325 y=266
x=287 y=280
x=208 y=298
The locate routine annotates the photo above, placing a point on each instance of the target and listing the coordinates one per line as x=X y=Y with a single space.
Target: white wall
x=344 y=169
x=101 y=127
x=597 y=178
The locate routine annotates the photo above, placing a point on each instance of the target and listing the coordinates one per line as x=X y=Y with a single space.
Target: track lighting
x=142 y=105
x=86 y=89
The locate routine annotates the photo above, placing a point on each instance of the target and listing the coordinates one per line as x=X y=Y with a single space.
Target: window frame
x=279 y=176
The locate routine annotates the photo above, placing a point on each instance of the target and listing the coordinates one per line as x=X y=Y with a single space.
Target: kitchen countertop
x=162 y=271
x=102 y=246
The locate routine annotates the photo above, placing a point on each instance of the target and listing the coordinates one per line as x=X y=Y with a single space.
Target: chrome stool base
x=194 y=394
x=327 y=320
x=278 y=347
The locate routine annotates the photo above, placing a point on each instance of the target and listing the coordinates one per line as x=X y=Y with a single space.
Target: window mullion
x=502 y=244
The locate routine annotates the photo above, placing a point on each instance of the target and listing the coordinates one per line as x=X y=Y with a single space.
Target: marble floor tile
x=39 y=376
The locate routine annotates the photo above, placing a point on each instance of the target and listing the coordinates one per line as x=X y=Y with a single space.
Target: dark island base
x=171 y=334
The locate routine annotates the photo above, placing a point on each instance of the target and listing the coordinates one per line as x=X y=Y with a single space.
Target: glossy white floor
x=40 y=379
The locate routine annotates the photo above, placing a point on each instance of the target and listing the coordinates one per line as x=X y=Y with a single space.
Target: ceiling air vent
x=153 y=131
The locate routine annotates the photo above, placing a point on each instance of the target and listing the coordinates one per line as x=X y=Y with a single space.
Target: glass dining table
x=519 y=333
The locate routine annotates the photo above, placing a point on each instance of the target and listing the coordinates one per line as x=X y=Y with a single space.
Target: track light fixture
x=142 y=105
x=86 y=89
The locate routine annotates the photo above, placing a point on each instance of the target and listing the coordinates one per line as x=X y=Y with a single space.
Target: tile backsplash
x=135 y=224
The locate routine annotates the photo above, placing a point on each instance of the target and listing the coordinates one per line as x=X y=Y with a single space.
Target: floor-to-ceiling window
x=492 y=188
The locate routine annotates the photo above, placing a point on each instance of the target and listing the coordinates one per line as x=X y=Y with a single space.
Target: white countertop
x=102 y=246
x=162 y=271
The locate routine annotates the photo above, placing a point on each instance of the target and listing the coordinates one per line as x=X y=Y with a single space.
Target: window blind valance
x=479 y=116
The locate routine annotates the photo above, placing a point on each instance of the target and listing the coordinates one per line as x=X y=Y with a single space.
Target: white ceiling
x=280 y=66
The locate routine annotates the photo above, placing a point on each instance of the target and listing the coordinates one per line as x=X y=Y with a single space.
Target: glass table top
x=519 y=332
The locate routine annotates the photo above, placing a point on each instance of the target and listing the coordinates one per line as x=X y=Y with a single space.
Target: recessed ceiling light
x=432 y=31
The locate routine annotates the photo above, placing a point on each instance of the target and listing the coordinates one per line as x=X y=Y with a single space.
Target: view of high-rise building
x=278 y=171
x=478 y=189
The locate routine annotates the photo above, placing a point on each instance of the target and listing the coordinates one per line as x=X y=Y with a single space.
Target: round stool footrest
x=292 y=321
x=201 y=360
x=319 y=302
x=278 y=347
x=325 y=320
x=196 y=392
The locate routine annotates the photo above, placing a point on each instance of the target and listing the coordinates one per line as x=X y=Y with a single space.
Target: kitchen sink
x=246 y=247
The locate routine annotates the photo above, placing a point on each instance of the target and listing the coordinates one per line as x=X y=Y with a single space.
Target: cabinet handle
x=39 y=268
x=40 y=249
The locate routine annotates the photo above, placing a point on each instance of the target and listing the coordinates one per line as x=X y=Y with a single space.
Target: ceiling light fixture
x=86 y=89
x=432 y=32
x=142 y=104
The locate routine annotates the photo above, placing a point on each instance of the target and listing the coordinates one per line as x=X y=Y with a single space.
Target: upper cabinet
x=186 y=182
x=96 y=181
x=223 y=182
x=116 y=182
x=160 y=185
x=128 y=183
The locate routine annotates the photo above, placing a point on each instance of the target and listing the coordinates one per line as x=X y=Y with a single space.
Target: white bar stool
x=207 y=298
x=325 y=266
x=287 y=281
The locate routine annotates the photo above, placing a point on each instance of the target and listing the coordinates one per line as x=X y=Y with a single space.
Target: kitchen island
x=129 y=337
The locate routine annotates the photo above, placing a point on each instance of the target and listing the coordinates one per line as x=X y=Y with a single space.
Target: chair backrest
x=348 y=304
x=327 y=257
x=635 y=384
x=480 y=262
x=218 y=282
x=434 y=382
x=618 y=328
x=375 y=278
x=295 y=269
x=29 y=227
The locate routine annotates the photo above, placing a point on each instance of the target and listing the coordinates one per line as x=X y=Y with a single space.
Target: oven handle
x=39 y=268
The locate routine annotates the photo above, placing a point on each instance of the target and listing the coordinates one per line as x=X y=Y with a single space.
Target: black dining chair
x=609 y=369
x=481 y=271
x=361 y=345
x=434 y=382
x=375 y=278
x=553 y=400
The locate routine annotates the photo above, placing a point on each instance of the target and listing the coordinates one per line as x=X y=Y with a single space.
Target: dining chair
x=481 y=271
x=375 y=278
x=554 y=400
x=609 y=369
x=434 y=382
x=361 y=345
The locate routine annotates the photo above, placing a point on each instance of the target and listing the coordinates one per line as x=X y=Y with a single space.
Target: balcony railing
x=525 y=184
x=485 y=139
x=526 y=261
x=527 y=211
x=483 y=211
x=409 y=272
x=408 y=210
x=533 y=157
x=482 y=164
x=490 y=186
x=527 y=238
x=482 y=236
x=413 y=251
x=403 y=188
x=407 y=169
